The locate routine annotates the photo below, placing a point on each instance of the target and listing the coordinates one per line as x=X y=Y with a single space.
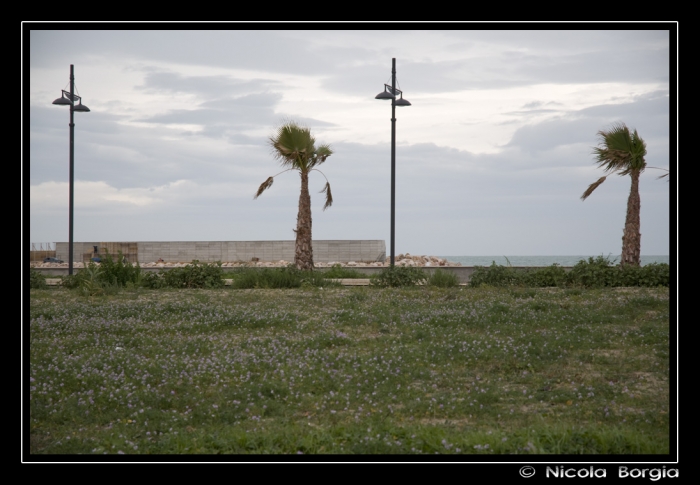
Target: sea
x=543 y=260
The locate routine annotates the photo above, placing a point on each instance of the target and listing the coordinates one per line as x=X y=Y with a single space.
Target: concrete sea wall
x=208 y=251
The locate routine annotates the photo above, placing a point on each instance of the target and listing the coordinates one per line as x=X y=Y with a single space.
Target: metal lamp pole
x=391 y=94
x=71 y=171
x=68 y=99
x=393 y=156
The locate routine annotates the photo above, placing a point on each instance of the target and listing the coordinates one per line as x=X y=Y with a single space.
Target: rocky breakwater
x=415 y=260
x=400 y=260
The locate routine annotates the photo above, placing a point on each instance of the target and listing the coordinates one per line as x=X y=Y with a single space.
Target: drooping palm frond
x=592 y=187
x=268 y=183
x=264 y=186
x=326 y=189
x=661 y=176
x=329 y=196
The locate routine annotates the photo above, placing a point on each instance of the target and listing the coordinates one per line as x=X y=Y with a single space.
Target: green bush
x=443 y=279
x=71 y=281
x=287 y=277
x=36 y=279
x=398 y=276
x=594 y=273
x=494 y=275
x=654 y=274
x=153 y=280
x=339 y=272
x=109 y=276
x=91 y=281
x=88 y=277
x=553 y=275
x=194 y=275
x=120 y=272
x=599 y=272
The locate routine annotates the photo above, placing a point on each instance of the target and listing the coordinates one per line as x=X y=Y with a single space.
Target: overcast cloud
x=491 y=158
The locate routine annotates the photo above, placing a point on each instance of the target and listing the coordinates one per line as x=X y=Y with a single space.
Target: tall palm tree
x=295 y=148
x=622 y=152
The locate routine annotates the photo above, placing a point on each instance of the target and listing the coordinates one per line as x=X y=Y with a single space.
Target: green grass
x=362 y=370
x=443 y=279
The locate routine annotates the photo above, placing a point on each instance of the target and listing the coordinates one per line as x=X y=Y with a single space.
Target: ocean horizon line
x=544 y=260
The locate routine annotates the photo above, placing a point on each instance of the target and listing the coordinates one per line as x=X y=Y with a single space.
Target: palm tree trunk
x=631 y=237
x=303 y=253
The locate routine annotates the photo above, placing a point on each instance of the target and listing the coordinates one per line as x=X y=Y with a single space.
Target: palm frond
x=294 y=146
x=329 y=196
x=291 y=144
x=320 y=154
x=264 y=186
x=592 y=187
x=661 y=176
x=620 y=150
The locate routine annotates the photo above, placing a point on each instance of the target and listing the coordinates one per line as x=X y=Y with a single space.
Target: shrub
x=119 y=272
x=553 y=275
x=107 y=277
x=338 y=272
x=597 y=272
x=594 y=273
x=90 y=281
x=194 y=275
x=443 y=279
x=602 y=272
x=36 y=279
x=287 y=277
x=397 y=276
x=654 y=274
x=494 y=275
x=88 y=276
x=153 y=280
x=70 y=281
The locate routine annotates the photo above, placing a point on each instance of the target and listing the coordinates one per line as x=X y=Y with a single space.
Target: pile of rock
x=41 y=264
x=400 y=260
x=411 y=260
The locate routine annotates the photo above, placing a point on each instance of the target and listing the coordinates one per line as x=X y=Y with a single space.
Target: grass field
x=359 y=370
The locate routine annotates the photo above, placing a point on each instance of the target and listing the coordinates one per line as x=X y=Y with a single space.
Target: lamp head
x=402 y=102
x=62 y=101
x=384 y=95
x=81 y=107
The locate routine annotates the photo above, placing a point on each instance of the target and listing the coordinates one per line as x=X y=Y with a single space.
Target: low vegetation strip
x=357 y=370
x=110 y=276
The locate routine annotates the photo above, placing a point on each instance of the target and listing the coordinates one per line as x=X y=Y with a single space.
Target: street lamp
x=68 y=98
x=390 y=92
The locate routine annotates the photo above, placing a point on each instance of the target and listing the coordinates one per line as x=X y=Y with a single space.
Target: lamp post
x=68 y=98
x=390 y=92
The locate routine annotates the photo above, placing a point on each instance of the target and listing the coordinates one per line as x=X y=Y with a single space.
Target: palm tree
x=622 y=152
x=295 y=148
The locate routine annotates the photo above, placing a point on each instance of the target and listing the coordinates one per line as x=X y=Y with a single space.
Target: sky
x=491 y=158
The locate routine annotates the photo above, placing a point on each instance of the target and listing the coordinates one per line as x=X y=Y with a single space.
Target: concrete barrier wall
x=325 y=251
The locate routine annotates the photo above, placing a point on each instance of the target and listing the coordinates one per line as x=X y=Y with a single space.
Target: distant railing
x=39 y=251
